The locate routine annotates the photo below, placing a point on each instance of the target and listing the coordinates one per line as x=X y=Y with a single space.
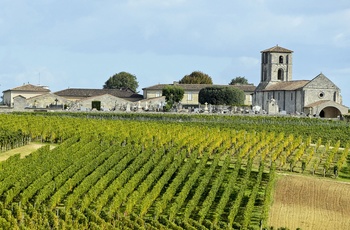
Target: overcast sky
x=80 y=44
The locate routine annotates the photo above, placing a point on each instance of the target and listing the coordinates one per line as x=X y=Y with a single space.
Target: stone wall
x=46 y=101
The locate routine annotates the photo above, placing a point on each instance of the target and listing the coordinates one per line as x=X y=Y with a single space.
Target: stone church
x=278 y=93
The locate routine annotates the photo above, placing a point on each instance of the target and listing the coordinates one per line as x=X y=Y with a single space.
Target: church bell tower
x=276 y=64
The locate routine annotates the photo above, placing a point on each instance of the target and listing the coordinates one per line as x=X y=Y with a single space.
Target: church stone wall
x=270 y=66
x=321 y=88
x=313 y=95
x=258 y=99
x=299 y=105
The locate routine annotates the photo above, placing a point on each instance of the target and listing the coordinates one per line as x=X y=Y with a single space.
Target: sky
x=80 y=44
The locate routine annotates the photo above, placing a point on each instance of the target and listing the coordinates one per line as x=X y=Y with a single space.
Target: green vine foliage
x=150 y=171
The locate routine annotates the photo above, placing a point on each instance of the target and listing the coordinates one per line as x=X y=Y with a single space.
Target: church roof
x=327 y=103
x=317 y=103
x=321 y=79
x=30 y=88
x=286 y=85
x=198 y=87
x=277 y=49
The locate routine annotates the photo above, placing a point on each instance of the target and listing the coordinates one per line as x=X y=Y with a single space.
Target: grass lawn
x=24 y=150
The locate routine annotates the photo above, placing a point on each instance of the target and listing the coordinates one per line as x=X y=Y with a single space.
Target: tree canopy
x=173 y=94
x=122 y=80
x=239 y=80
x=196 y=77
x=217 y=95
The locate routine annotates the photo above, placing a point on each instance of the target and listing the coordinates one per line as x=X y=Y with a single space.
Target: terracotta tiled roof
x=277 y=49
x=83 y=93
x=286 y=85
x=47 y=95
x=30 y=87
x=198 y=87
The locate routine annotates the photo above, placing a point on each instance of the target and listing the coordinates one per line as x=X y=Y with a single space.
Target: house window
x=189 y=96
x=291 y=96
x=157 y=94
x=281 y=60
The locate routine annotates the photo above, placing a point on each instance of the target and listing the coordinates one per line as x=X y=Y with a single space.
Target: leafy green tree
x=196 y=77
x=239 y=80
x=122 y=80
x=173 y=94
x=218 y=95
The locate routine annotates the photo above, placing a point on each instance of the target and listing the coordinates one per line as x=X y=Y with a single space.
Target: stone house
x=104 y=99
x=26 y=91
x=105 y=102
x=19 y=102
x=318 y=97
x=74 y=94
x=39 y=97
x=190 y=98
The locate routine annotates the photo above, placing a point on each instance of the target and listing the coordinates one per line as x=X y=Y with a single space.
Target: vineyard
x=110 y=172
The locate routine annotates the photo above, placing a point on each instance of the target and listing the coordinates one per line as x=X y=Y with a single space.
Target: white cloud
x=341 y=40
x=80 y=40
x=38 y=76
x=342 y=71
x=249 y=62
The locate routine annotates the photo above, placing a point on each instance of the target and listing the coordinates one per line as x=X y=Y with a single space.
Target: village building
x=279 y=93
x=38 y=97
x=75 y=94
x=25 y=91
x=191 y=92
x=99 y=99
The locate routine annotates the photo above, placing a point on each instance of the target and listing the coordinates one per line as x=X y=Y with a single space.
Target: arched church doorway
x=330 y=112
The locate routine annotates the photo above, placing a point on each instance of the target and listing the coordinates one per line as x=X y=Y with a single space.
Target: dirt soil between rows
x=310 y=203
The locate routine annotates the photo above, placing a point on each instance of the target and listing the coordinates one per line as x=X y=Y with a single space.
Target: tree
x=122 y=80
x=196 y=77
x=173 y=94
x=218 y=95
x=239 y=81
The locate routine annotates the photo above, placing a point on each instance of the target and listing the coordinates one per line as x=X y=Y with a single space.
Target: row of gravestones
x=128 y=107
